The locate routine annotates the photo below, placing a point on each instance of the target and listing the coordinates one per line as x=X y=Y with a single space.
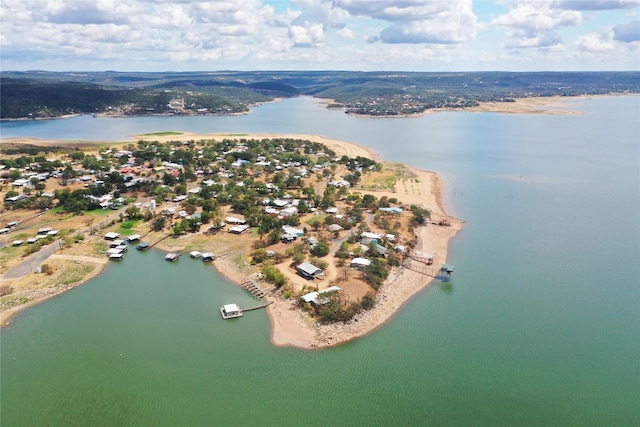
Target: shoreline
x=525 y=105
x=290 y=326
x=402 y=285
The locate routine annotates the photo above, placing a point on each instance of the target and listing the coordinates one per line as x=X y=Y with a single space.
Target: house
x=289 y=211
x=393 y=210
x=238 y=229
x=291 y=230
x=289 y=238
x=316 y=298
x=370 y=235
x=15 y=198
x=308 y=270
x=334 y=227
x=360 y=263
x=232 y=220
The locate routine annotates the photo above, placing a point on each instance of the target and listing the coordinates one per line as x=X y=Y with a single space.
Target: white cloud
x=534 y=24
x=346 y=33
x=419 y=21
x=595 y=42
x=307 y=35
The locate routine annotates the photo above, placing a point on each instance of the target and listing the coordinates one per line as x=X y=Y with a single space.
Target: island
x=338 y=239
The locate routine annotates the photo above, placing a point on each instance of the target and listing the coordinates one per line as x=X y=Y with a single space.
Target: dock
x=172 y=256
x=253 y=288
x=232 y=311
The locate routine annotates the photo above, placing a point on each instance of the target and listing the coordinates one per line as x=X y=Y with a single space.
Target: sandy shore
x=292 y=327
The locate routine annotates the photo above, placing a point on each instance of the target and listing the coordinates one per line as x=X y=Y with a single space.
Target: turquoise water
x=540 y=326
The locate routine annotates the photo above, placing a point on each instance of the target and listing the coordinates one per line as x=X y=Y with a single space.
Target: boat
x=172 y=256
x=142 y=246
x=116 y=257
x=230 y=311
x=208 y=256
x=195 y=254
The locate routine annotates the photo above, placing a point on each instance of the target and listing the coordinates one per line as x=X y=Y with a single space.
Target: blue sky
x=411 y=35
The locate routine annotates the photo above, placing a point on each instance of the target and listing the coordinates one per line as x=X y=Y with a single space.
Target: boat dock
x=232 y=311
x=253 y=288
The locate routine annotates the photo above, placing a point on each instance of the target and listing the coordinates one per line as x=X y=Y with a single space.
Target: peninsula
x=375 y=233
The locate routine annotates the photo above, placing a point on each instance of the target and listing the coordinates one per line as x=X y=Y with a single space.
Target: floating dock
x=231 y=311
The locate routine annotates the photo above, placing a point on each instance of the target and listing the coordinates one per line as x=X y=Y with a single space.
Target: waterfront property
x=308 y=270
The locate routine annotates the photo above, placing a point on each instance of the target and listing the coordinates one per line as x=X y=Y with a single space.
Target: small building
x=230 y=311
x=289 y=238
x=111 y=235
x=45 y=230
x=392 y=210
x=360 y=263
x=308 y=270
x=238 y=229
x=17 y=242
x=232 y=220
x=316 y=298
x=334 y=227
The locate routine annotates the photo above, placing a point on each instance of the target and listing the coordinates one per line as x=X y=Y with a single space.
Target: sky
x=359 y=35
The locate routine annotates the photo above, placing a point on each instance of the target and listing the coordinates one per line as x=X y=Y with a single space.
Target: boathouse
x=229 y=311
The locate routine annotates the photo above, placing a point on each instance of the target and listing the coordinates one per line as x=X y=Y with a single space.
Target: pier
x=232 y=311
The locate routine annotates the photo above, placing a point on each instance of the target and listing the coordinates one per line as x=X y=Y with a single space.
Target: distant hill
x=33 y=94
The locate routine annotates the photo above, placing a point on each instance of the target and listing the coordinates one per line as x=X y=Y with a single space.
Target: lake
x=540 y=326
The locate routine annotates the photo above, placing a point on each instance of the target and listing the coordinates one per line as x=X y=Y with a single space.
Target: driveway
x=31 y=262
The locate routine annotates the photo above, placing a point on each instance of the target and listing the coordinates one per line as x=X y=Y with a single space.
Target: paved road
x=31 y=262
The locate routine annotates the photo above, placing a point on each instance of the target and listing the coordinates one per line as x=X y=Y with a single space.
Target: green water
x=540 y=326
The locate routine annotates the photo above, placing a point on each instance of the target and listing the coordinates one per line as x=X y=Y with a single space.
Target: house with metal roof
x=308 y=270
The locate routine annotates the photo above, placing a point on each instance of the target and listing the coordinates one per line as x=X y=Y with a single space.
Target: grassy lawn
x=99 y=212
x=387 y=179
x=313 y=219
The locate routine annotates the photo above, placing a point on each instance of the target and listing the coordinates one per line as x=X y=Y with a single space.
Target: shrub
x=320 y=249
